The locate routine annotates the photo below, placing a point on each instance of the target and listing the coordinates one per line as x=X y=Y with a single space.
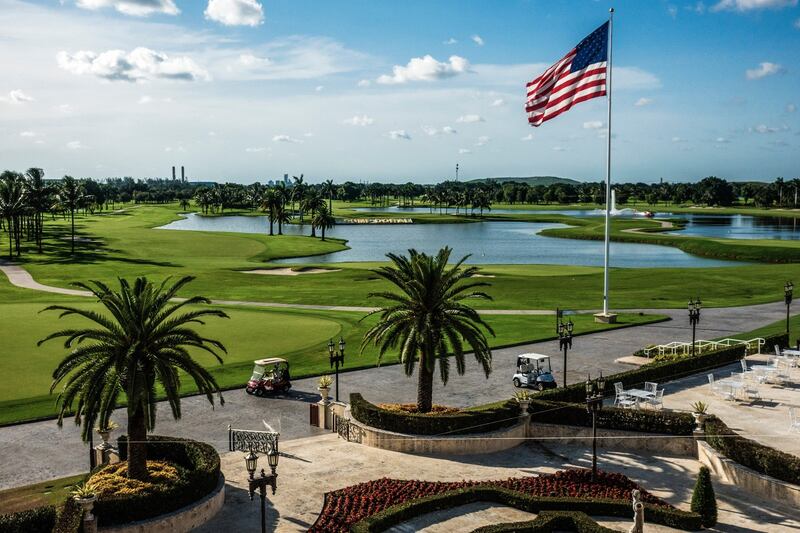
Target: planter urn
x=323 y=392
x=700 y=420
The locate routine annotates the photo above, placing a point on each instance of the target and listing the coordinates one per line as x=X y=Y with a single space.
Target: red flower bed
x=345 y=507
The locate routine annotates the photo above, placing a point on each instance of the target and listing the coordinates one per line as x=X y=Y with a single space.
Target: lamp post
x=787 y=297
x=263 y=481
x=594 y=403
x=565 y=342
x=337 y=358
x=694 y=318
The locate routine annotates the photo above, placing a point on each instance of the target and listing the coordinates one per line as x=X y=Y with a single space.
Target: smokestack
x=173 y=172
x=183 y=176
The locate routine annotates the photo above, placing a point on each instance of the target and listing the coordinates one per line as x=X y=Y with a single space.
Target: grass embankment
x=298 y=335
x=52 y=492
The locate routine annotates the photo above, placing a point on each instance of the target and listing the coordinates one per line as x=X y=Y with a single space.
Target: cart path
x=19 y=277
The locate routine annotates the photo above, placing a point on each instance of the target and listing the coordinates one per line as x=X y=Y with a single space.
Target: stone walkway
x=310 y=467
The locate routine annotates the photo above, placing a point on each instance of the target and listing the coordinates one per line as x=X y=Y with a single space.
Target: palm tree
x=323 y=220
x=270 y=201
x=38 y=199
x=140 y=346
x=282 y=216
x=329 y=189
x=12 y=208
x=70 y=198
x=311 y=203
x=427 y=319
x=298 y=193
x=481 y=201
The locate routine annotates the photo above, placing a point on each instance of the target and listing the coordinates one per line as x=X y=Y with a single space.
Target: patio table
x=639 y=395
x=734 y=385
x=791 y=353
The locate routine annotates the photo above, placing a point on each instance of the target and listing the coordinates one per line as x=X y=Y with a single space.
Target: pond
x=697 y=224
x=488 y=242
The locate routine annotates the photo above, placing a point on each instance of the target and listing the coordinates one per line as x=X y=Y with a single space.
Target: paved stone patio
x=312 y=466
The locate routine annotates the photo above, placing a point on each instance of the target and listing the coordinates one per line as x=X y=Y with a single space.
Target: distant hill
x=530 y=180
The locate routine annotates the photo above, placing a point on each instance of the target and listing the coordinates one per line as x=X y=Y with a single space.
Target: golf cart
x=533 y=370
x=269 y=375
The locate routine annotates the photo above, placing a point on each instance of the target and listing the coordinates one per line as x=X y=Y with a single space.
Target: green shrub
x=36 y=520
x=474 y=420
x=481 y=493
x=549 y=521
x=199 y=477
x=749 y=453
x=704 y=502
x=572 y=414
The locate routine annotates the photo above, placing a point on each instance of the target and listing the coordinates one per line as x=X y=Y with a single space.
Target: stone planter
x=323 y=392
x=700 y=420
x=523 y=406
x=86 y=503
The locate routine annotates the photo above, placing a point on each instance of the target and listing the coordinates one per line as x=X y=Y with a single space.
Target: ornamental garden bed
x=379 y=504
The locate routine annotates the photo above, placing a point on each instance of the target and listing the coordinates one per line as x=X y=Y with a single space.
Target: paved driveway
x=23 y=446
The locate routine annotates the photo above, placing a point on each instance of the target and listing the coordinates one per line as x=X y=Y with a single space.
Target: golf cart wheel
x=517 y=384
x=248 y=390
x=540 y=386
x=259 y=392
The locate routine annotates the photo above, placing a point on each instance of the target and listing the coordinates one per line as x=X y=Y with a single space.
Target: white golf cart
x=534 y=371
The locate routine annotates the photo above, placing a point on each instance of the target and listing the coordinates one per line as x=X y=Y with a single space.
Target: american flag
x=578 y=76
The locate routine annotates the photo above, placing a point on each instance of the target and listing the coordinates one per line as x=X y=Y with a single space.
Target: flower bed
x=610 y=493
x=412 y=408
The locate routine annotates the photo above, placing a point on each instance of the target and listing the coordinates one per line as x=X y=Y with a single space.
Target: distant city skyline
x=249 y=90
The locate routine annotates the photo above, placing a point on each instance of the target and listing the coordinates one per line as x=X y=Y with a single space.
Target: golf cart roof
x=269 y=361
x=534 y=356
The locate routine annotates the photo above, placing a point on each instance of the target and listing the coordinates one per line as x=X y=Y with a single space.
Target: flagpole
x=608 y=170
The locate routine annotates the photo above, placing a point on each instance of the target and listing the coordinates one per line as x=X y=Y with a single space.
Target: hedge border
x=201 y=462
x=481 y=419
x=36 y=520
x=754 y=455
x=549 y=521
x=481 y=493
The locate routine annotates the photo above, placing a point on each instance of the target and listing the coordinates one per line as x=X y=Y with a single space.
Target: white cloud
x=797 y=24
x=446 y=130
x=558 y=148
x=64 y=108
x=469 y=119
x=763 y=70
x=399 y=134
x=791 y=108
x=477 y=40
x=425 y=69
x=17 y=96
x=362 y=120
x=212 y=133
x=464 y=151
x=641 y=102
x=145 y=99
x=140 y=64
x=27 y=134
x=672 y=10
x=498 y=102
x=75 y=145
x=482 y=140
x=528 y=137
x=722 y=140
x=678 y=140
x=255 y=149
x=699 y=7
x=308 y=134
x=286 y=139
x=593 y=125
x=251 y=60
x=319 y=88
x=235 y=12
x=752 y=5
x=177 y=149
x=451 y=40
x=763 y=128
x=364 y=83
x=136 y=8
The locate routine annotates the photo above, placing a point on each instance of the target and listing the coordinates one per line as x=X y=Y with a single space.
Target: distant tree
x=329 y=189
x=70 y=197
x=323 y=219
x=312 y=203
x=37 y=198
x=12 y=208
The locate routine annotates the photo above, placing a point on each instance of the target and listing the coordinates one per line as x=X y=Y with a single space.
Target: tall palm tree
x=38 y=199
x=323 y=220
x=271 y=201
x=427 y=319
x=140 y=345
x=312 y=203
x=12 y=208
x=282 y=216
x=329 y=189
x=70 y=198
x=298 y=193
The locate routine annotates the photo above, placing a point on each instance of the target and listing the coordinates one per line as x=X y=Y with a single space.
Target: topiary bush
x=37 y=520
x=704 y=501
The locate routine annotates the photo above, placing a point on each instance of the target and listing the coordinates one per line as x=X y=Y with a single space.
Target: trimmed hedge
x=571 y=414
x=549 y=521
x=749 y=453
x=481 y=493
x=704 y=501
x=201 y=462
x=479 y=419
x=70 y=518
x=36 y=520
x=660 y=371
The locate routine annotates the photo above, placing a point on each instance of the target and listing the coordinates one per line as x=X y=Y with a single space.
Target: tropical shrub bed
x=385 y=502
x=185 y=471
x=749 y=453
x=38 y=520
x=414 y=408
x=479 y=419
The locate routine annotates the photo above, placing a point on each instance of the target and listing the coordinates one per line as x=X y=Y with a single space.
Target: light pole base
x=605 y=318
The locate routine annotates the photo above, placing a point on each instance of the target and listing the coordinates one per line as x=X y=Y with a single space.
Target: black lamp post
x=694 y=317
x=337 y=358
x=787 y=297
x=594 y=403
x=263 y=481
x=565 y=342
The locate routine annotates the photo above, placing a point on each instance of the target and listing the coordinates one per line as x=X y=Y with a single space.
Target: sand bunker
x=289 y=271
x=483 y=276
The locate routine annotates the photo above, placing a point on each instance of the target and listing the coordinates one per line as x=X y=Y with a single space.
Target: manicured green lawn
x=52 y=492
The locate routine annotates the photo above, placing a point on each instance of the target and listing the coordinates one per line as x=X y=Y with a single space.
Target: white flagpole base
x=605 y=318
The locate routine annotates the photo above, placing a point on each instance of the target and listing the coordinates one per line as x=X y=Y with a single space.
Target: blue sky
x=246 y=90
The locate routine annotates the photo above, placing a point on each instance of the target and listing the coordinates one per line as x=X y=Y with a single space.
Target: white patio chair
x=744 y=366
x=717 y=389
x=794 y=419
x=657 y=401
x=651 y=387
x=777 y=350
x=620 y=398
